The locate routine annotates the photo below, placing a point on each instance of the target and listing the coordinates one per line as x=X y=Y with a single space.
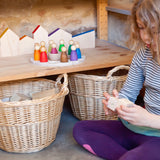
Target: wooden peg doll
x=43 y=55
x=73 y=56
x=70 y=45
x=36 y=52
x=76 y=42
x=61 y=45
x=64 y=57
x=50 y=46
x=54 y=49
x=42 y=44
x=78 y=51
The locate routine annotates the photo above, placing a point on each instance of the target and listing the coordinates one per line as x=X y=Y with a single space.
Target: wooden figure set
x=64 y=57
x=54 y=55
x=42 y=44
x=61 y=45
x=53 y=49
x=43 y=55
x=36 y=52
x=78 y=51
x=70 y=45
x=73 y=56
x=50 y=45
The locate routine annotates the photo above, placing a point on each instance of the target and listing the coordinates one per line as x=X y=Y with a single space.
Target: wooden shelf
x=119 y=9
x=103 y=56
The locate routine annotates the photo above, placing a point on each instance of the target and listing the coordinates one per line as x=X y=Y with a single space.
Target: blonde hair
x=148 y=11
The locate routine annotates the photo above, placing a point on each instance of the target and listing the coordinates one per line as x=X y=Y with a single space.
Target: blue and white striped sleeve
x=135 y=79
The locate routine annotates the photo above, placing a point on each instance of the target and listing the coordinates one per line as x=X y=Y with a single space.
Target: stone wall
x=118 y=26
x=74 y=16
x=121 y=2
x=22 y=16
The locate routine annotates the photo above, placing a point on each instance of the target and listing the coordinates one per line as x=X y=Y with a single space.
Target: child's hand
x=135 y=115
x=105 y=101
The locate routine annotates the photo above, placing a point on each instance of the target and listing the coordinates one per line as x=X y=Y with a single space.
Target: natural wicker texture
x=86 y=93
x=31 y=125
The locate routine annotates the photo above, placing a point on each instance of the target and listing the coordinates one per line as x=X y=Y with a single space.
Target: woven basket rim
x=100 y=78
x=64 y=91
x=97 y=77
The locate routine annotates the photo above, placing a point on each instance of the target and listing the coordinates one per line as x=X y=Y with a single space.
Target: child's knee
x=78 y=128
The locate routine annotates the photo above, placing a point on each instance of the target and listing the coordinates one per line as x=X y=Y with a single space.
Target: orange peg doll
x=36 y=52
x=64 y=57
x=43 y=55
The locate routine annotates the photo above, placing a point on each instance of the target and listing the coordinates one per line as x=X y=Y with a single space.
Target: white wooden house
x=85 y=39
x=60 y=34
x=9 y=44
x=26 y=45
x=40 y=34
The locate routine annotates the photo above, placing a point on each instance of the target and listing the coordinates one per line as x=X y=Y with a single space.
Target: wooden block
x=46 y=93
x=40 y=34
x=19 y=97
x=113 y=103
x=9 y=44
x=85 y=39
x=26 y=45
x=7 y=99
x=60 y=34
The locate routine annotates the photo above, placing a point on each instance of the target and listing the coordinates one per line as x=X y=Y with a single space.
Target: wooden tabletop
x=103 y=56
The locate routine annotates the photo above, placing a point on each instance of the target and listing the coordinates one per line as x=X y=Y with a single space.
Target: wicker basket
x=31 y=125
x=86 y=93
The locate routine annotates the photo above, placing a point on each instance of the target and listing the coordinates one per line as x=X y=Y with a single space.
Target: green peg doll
x=61 y=45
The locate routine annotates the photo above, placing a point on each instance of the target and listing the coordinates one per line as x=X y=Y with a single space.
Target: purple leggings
x=111 y=140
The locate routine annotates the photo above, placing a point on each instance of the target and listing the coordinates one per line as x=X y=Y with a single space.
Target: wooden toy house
x=60 y=34
x=26 y=45
x=9 y=44
x=85 y=39
x=40 y=34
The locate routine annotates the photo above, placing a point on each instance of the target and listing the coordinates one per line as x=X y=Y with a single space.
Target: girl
x=137 y=135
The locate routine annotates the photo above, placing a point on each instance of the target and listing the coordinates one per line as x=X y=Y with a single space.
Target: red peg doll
x=43 y=55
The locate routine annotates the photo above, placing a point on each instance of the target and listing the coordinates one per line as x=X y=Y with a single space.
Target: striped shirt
x=144 y=70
